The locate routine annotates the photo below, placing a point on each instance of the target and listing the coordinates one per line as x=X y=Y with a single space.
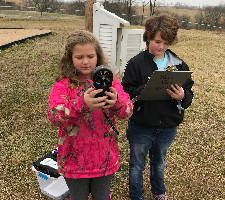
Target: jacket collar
x=174 y=59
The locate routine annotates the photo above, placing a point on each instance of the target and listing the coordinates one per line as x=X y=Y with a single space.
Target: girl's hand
x=113 y=98
x=178 y=93
x=92 y=102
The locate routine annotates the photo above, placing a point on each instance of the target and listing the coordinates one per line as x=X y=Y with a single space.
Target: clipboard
x=155 y=89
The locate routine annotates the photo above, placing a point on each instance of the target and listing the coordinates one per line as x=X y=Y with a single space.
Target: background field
x=196 y=161
x=180 y=11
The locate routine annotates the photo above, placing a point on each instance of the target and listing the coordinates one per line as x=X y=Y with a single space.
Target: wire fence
x=184 y=24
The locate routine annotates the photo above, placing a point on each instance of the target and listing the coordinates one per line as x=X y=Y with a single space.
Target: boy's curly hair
x=66 y=67
x=166 y=24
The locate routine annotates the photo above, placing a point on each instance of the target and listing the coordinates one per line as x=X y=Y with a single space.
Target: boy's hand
x=177 y=93
x=113 y=98
x=92 y=102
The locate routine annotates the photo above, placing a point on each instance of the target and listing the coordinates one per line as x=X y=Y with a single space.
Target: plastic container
x=50 y=182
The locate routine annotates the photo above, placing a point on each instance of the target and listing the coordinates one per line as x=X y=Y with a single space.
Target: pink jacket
x=82 y=151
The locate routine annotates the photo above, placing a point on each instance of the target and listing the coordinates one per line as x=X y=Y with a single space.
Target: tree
x=211 y=17
x=129 y=9
x=42 y=5
x=122 y=8
x=183 y=20
x=152 y=7
x=76 y=7
x=143 y=10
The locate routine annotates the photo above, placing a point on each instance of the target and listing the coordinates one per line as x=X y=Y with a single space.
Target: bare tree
x=152 y=6
x=183 y=20
x=76 y=7
x=42 y=5
x=122 y=8
x=211 y=17
x=129 y=8
x=143 y=10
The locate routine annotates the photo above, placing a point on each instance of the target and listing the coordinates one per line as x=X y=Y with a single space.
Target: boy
x=153 y=125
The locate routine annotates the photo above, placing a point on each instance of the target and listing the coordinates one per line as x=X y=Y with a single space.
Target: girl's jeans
x=144 y=140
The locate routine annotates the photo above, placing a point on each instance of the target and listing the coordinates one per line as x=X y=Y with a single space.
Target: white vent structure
x=119 y=44
x=131 y=44
x=107 y=27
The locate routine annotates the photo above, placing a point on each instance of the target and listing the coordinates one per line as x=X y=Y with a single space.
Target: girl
x=88 y=154
x=153 y=125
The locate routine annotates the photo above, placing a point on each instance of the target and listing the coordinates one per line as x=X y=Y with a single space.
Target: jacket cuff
x=186 y=102
x=118 y=104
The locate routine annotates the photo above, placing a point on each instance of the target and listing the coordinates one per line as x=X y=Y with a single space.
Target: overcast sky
x=198 y=3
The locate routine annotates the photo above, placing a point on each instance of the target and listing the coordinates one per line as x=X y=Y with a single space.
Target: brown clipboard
x=155 y=89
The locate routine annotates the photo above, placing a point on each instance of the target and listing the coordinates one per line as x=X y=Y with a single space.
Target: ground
x=10 y=35
x=195 y=164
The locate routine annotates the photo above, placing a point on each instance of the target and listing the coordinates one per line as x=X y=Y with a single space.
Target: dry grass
x=188 y=12
x=195 y=162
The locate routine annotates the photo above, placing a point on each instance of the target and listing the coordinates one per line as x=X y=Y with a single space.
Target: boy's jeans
x=142 y=140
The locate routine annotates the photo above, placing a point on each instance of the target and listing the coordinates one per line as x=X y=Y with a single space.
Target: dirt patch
x=10 y=35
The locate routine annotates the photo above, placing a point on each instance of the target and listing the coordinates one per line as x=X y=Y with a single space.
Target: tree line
x=208 y=18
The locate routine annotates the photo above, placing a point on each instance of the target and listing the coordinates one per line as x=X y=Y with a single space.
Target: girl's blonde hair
x=166 y=24
x=66 y=67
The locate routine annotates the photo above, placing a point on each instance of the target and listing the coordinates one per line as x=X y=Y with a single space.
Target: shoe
x=159 y=197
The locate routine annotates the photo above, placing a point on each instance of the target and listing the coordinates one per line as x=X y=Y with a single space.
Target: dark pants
x=144 y=140
x=81 y=188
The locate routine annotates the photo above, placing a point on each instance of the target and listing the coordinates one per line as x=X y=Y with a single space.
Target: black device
x=45 y=168
x=102 y=78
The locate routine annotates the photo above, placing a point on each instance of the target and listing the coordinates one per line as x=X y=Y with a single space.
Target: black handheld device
x=102 y=78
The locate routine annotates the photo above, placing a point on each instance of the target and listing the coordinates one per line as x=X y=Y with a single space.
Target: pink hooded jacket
x=87 y=145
